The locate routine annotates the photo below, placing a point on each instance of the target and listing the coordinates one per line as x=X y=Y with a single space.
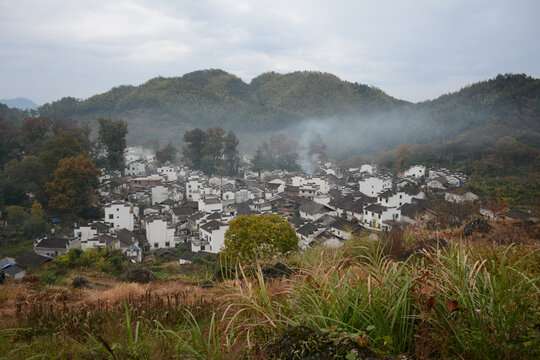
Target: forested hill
x=272 y=101
x=352 y=118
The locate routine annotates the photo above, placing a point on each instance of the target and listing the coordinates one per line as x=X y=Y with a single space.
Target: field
x=404 y=296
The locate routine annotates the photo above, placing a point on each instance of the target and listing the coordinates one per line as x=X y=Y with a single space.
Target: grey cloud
x=414 y=50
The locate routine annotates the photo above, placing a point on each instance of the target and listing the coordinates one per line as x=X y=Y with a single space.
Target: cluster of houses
x=165 y=207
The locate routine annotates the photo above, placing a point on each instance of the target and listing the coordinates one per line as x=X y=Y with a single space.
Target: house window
x=379 y=216
x=167 y=244
x=156 y=245
x=111 y=216
x=202 y=248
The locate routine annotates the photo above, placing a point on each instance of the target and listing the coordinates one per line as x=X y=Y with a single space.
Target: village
x=151 y=210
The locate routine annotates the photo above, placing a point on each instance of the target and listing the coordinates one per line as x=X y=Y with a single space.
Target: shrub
x=255 y=237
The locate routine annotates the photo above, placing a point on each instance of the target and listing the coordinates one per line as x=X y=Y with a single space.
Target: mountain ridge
x=20 y=103
x=354 y=118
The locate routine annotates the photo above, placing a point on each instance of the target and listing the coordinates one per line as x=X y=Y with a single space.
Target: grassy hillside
x=473 y=298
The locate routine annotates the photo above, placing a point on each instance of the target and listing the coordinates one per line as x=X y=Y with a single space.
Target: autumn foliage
x=71 y=189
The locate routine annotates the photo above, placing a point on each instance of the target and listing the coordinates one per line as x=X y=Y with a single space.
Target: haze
x=413 y=50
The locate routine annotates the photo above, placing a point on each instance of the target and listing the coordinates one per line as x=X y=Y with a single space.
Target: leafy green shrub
x=255 y=237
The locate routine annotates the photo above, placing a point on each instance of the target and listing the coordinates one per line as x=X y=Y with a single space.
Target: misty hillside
x=213 y=97
x=352 y=118
x=20 y=103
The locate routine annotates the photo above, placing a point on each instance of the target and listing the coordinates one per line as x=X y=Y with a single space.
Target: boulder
x=79 y=282
x=476 y=225
x=141 y=276
x=425 y=245
x=278 y=270
x=304 y=343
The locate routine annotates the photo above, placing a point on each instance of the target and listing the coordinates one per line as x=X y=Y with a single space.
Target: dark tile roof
x=376 y=208
x=13 y=270
x=214 y=216
x=32 y=260
x=410 y=191
x=212 y=201
x=326 y=220
x=356 y=207
x=6 y=261
x=127 y=236
x=183 y=211
x=191 y=256
x=342 y=224
x=212 y=225
x=312 y=207
x=308 y=229
x=53 y=243
x=100 y=227
x=409 y=210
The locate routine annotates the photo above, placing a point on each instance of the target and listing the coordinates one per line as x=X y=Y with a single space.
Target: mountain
x=164 y=108
x=20 y=103
x=352 y=118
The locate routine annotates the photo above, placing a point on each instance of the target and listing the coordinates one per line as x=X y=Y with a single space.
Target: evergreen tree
x=112 y=135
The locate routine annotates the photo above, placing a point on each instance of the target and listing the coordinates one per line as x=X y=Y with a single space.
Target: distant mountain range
x=20 y=103
x=350 y=118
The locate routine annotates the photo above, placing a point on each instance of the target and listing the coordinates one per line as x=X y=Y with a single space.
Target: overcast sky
x=413 y=50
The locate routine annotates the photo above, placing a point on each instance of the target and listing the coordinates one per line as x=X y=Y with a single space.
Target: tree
x=36 y=212
x=34 y=131
x=112 y=135
x=16 y=215
x=259 y=236
x=212 y=150
x=403 y=157
x=230 y=153
x=72 y=187
x=53 y=150
x=193 y=151
x=280 y=153
x=167 y=154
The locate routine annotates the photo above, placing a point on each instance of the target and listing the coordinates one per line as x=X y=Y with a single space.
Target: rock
x=426 y=245
x=277 y=271
x=81 y=282
x=141 y=276
x=304 y=343
x=479 y=225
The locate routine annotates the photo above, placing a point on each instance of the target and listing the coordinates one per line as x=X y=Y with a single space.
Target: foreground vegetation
x=472 y=300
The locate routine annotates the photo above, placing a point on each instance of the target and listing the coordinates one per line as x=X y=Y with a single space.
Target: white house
x=121 y=215
x=209 y=205
x=298 y=181
x=321 y=183
x=242 y=195
x=213 y=234
x=194 y=187
x=87 y=232
x=308 y=190
x=394 y=199
x=313 y=211
x=159 y=194
x=375 y=215
x=368 y=168
x=416 y=171
x=168 y=172
x=374 y=185
x=135 y=168
x=460 y=197
x=159 y=234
